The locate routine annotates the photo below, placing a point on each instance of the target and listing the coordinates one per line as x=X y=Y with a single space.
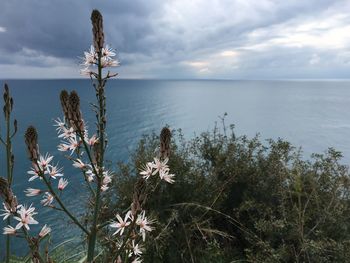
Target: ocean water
x=311 y=114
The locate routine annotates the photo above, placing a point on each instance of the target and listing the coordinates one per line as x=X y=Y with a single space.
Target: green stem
x=100 y=226
x=8 y=252
x=83 y=171
x=126 y=238
x=101 y=118
x=9 y=177
x=48 y=184
x=32 y=246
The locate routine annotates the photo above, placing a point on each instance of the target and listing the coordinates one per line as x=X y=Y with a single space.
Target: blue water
x=311 y=114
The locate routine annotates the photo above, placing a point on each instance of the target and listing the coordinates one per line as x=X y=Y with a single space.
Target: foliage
x=241 y=200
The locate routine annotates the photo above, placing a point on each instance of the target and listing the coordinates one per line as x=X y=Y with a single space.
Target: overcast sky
x=224 y=39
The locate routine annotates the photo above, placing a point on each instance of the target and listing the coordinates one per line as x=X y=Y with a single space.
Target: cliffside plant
x=126 y=230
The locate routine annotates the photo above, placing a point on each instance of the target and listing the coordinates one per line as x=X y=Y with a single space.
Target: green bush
x=240 y=200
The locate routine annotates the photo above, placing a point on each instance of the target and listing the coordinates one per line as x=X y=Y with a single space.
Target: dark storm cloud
x=62 y=28
x=158 y=38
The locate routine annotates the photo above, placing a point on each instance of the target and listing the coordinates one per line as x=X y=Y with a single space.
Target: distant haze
x=180 y=39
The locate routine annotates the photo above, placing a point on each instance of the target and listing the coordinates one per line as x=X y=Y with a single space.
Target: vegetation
x=242 y=200
x=227 y=198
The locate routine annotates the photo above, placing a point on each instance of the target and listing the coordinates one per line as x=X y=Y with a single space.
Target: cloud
x=181 y=38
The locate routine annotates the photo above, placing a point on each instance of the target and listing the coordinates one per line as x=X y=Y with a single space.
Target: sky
x=180 y=39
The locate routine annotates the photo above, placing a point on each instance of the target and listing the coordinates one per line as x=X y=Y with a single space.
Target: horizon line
x=192 y=79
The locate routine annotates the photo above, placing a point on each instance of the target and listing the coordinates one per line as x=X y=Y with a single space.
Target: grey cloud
x=154 y=39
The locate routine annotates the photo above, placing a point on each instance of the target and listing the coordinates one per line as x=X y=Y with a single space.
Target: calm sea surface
x=311 y=114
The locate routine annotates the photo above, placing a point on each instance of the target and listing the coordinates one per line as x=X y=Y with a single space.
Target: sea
x=313 y=115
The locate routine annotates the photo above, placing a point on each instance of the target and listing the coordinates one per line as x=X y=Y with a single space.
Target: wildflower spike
x=74 y=111
x=31 y=140
x=165 y=137
x=139 y=196
x=97 y=30
x=64 y=98
x=7 y=194
x=8 y=102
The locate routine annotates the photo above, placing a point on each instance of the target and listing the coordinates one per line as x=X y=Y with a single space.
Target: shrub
x=242 y=199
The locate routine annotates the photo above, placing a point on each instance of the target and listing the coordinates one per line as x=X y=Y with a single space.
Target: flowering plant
x=87 y=153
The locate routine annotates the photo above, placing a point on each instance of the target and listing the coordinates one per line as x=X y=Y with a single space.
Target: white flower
x=73 y=143
x=66 y=133
x=147 y=172
x=137 y=260
x=54 y=171
x=168 y=177
x=121 y=224
x=86 y=71
x=107 y=178
x=136 y=250
x=25 y=217
x=159 y=165
x=32 y=192
x=105 y=62
x=9 y=230
x=90 y=175
x=59 y=124
x=90 y=57
x=104 y=188
x=62 y=183
x=144 y=224
x=35 y=172
x=47 y=199
x=44 y=231
x=44 y=161
x=108 y=52
x=79 y=164
x=7 y=211
x=63 y=147
x=92 y=140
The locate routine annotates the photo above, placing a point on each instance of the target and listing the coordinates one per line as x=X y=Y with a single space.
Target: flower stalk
x=8 y=106
x=31 y=138
x=90 y=159
x=97 y=28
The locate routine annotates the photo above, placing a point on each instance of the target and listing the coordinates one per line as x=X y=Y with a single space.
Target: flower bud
x=8 y=196
x=97 y=30
x=165 y=137
x=139 y=196
x=74 y=113
x=64 y=98
x=31 y=140
x=8 y=102
x=15 y=126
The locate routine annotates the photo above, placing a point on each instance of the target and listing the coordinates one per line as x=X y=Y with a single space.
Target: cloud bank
x=176 y=39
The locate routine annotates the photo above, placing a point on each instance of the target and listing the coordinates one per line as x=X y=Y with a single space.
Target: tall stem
x=9 y=174
x=101 y=124
x=33 y=247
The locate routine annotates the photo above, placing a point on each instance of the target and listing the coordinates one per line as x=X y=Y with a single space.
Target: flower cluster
x=24 y=216
x=143 y=225
x=45 y=167
x=71 y=141
x=160 y=167
x=91 y=59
